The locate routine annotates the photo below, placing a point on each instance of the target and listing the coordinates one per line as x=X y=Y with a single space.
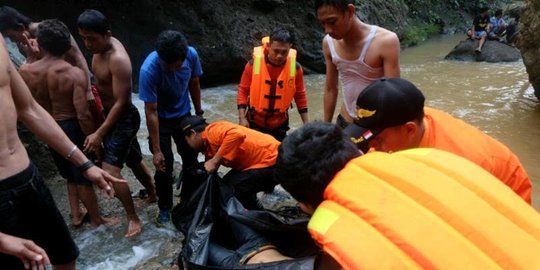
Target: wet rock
x=492 y=51
x=529 y=42
x=267 y=5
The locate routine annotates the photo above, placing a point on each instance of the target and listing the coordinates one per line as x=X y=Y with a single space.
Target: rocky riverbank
x=225 y=31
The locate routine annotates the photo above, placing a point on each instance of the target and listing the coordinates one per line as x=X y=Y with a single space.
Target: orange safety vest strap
x=265 y=97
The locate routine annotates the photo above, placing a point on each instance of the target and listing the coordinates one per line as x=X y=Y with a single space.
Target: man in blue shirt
x=168 y=77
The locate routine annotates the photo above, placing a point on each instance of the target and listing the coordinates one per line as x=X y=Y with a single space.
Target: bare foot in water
x=109 y=222
x=152 y=198
x=77 y=220
x=134 y=227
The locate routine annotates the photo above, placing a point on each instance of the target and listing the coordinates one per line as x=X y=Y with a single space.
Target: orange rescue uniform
x=277 y=118
x=432 y=210
x=241 y=148
x=442 y=131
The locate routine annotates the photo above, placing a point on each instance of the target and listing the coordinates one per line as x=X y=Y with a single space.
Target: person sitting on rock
x=480 y=28
x=512 y=31
x=497 y=26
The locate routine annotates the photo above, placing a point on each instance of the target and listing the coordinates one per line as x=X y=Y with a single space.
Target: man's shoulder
x=192 y=52
x=149 y=64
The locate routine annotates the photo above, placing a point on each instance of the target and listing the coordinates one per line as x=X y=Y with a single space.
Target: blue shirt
x=170 y=89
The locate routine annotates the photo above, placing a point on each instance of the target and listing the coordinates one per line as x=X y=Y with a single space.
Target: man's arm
x=300 y=96
x=243 y=95
x=80 y=102
x=331 y=85
x=32 y=256
x=152 y=123
x=195 y=93
x=121 y=86
x=75 y=57
x=473 y=28
x=390 y=55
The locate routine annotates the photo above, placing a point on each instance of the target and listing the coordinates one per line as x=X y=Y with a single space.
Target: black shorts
x=27 y=210
x=66 y=169
x=118 y=141
x=134 y=156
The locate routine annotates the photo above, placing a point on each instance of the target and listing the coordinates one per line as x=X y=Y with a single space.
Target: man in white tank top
x=360 y=53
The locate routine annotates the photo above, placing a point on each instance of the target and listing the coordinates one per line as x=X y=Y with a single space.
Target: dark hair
x=282 y=35
x=341 y=5
x=54 y=37
x=498 y=12
x=171 y=46
x=193 y=122
x=310 y=157
x=93 y=20
x=12 y=19
x=483 y=9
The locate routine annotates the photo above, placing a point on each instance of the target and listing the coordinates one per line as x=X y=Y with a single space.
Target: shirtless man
x=360 y=53
x=61 y=89
x=27 y=208
x=112 y=70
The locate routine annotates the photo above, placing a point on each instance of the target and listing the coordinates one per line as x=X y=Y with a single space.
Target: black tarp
x=203 y=215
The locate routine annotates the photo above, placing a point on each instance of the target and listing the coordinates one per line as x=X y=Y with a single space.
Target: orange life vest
x=269 y=97
x=431 y=210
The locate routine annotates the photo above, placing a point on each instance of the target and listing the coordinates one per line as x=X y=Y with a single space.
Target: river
x=497 y=98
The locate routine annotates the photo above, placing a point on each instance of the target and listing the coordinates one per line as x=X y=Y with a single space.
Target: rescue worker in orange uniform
x=393 y=211
x=250 y=154
x=391 y=117
x=268 y=85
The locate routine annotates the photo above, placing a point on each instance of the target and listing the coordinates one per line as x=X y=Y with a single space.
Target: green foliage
x=418 y=33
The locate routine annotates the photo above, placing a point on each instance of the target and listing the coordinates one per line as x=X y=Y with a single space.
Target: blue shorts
x=118 y=141
x=66 y=169
x=480 y=34
x=27 y=210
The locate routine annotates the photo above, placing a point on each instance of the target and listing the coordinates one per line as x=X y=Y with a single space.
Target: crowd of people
x=495 y=28
x=86 y=115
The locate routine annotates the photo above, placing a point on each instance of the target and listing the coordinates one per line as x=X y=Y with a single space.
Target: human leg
x=123 y=194
x=116 y=145
x=482 y=35
x=247 y=183
x=77 y=214
x=135 y=162
x=189 y=163
x=88 y=197
x=28 y=211
x=164 y=179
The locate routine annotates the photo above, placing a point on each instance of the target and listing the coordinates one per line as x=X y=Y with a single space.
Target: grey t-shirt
x=14 y=54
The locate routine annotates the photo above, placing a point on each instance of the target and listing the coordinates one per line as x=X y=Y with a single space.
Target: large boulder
x=492 y=51
x=223 y=31
x=529 y=42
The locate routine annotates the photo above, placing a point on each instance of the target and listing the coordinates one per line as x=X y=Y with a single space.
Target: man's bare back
x=60 y=88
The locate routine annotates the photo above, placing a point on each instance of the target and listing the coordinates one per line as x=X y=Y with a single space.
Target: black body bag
x=204 y=218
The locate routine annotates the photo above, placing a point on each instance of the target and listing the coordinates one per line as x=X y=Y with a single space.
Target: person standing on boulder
x=358 y=52
x=112 y=70
x=269 y=83
x=168 y=77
